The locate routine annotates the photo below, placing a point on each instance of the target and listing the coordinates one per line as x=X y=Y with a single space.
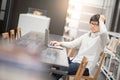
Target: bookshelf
x=111 y=66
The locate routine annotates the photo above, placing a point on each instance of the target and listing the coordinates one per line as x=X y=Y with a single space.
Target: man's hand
x=95 y=29
x=102 y=18
x=55 y=43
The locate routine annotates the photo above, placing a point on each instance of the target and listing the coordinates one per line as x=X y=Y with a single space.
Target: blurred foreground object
x=18 y=64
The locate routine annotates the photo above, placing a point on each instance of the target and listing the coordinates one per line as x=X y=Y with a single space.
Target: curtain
x=115 y=25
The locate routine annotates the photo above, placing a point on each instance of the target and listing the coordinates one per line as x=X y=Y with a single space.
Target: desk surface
x=34 y=42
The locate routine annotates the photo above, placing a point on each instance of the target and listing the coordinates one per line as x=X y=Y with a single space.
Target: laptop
x=47 y=41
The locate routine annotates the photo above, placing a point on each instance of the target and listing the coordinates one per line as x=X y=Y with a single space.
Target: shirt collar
x=94 y=34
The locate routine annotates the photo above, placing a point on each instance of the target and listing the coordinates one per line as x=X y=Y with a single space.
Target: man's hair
x=96 y=18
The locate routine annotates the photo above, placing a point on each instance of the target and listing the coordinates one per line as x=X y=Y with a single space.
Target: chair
x=71 y=52
x=5 y=38
x=80 y=70
x=94 y=77
x=18 y=33
x=5 y=35
x=12 y=34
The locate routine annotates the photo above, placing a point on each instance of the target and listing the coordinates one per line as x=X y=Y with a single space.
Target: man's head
x=94 y=23
x=95 y=18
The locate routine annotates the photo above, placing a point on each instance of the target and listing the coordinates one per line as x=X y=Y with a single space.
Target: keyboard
x=55 y=47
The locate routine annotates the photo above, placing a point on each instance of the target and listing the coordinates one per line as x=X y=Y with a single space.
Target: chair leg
x=67 y=77
x=64 y=77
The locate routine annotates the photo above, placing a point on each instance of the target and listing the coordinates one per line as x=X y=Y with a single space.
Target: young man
x=90 y=45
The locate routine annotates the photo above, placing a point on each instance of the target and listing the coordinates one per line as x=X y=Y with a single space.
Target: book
x=118 y=51
x=106 y=61
x=114 y=67
x=113 y=44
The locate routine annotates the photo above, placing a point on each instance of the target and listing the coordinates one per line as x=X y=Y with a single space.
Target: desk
x=34 y=42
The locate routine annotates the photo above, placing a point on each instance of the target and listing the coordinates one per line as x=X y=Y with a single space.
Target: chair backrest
x=102 y=56
x=5 y=35
x=71 y=52
x=18 y=33
x=94 y=77
x=81 y=68
x=12 y=34
x=5 y=38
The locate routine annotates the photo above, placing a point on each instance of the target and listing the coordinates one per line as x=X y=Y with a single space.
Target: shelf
x=73 y=28
x=107 y=73
x=114 y=34
x=111 y=53
x=111 y=65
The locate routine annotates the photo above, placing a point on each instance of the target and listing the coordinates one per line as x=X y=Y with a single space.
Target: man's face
x=94 y=26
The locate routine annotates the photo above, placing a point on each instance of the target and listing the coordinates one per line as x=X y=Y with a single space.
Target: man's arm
x=103 y=31
x=71 y=44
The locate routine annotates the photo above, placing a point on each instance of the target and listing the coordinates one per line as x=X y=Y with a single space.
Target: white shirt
x=90 y=45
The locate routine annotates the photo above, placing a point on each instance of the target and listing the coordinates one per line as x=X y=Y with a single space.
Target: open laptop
x=47 y=41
